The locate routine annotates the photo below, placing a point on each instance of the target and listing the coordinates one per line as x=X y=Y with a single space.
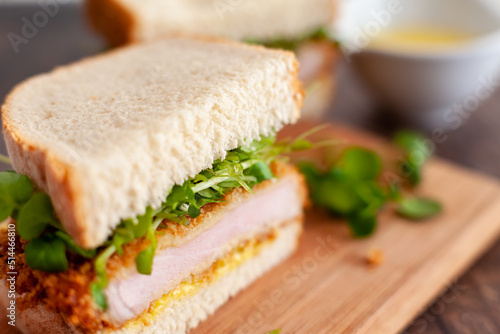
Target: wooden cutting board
x=327 y=286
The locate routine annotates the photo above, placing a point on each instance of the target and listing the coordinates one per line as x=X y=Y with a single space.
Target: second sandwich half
x=159 y=169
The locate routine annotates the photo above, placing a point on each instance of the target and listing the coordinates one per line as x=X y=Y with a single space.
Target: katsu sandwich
x=146 y=188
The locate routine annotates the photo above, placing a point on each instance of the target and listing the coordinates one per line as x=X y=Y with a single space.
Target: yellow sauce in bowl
x=419 y=39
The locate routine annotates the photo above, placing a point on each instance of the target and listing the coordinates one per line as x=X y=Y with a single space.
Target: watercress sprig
x=416 y=154
x=351 y=189
x=292 y=44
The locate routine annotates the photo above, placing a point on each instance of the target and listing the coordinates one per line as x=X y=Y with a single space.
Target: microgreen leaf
x=144 y=260
x=35 y=216
x=260 y=171
x=15 y=190
x=338 y=195
x=143 y=223
x=98 y=295
x=229 y=183
x=276 y=331
x=6 y=210
x=320 y=34
x=417 y=153
x=208 y=193
x=413 y=142
x=301 y=145
x=180 y=195
x=97 y=287
x=362 y=224
x=418 y=208
x=411 y=171
x=360 y=164
x=122 y=236
x=70 y=243
x=372 y=194
x=47 y=254
x=193 y=211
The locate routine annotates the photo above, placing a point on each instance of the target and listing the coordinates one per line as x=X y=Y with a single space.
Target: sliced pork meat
x=130 y=296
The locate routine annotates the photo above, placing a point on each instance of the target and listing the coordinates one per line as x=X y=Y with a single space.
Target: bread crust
x=57 y=179
x=49 y=174
x=112 y=19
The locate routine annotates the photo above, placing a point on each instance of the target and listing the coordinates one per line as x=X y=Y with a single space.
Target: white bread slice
x=183 y=314
x=110 y=135
x=126 y=21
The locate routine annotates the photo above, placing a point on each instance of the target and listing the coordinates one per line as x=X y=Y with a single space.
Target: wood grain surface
x=470 y=305
x=328 y=285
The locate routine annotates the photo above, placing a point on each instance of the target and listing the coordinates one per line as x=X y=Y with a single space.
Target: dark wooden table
x=470 y=305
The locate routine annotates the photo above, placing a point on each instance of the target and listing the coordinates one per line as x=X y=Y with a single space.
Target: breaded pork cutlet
x=142 y=201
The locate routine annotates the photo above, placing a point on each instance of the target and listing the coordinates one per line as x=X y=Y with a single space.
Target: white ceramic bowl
x=425 y=86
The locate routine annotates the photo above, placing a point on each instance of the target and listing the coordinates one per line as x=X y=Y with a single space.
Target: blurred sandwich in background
x=297 y=25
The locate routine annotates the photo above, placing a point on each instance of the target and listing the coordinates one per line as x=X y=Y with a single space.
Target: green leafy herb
x=5 y=210
x=417 y=152
x=70 y=243
x=351 y=188
x=260 y=171
x=97 y=291
x=97 y=287
x=418 y=208
x=47 y=254
x=338 y=194
x=35 y=216
x=144 y=260
x=320 y=34
x=15 y=188
x=360 y=164
x=362 y=224
x=15 y=191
